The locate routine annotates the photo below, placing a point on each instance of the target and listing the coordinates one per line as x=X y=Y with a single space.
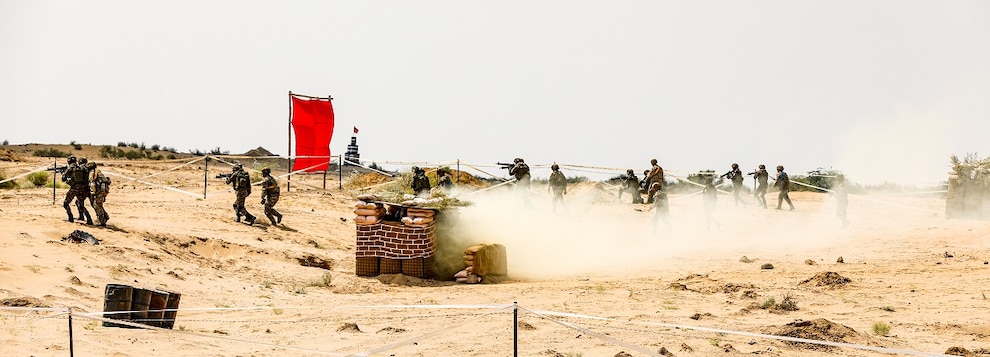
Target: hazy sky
x=882 y=90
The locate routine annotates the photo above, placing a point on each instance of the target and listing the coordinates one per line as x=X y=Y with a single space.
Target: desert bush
x=133 y=145
x=5 y=142
x=75 y=145
x=39 y=179
x=142 y=147
x=217 y=151
x=159 y=157
x=155 y=147
x=171 y=156
x=50 y=152
x=6 y=185
x=134 y=155
x=887 y=308
x=881 y=328
x=121 y=144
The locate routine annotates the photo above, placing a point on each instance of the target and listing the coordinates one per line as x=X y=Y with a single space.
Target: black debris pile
x=78 y=236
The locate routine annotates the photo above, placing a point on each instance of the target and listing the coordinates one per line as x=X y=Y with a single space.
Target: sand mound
x=24 y=301
x=828 y=278
x=821 y=330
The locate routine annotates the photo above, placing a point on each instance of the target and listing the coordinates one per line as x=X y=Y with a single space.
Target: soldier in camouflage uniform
x=631 y=184
x=655 y=175
x=557 y=183
x=736 y=176
x=77 y=178
x=269 y=196
x=443 y=180
x=101 y=187
x=761 y=177
x=241 y=181
x=420 y=183
x=520 y=171
x=783 y=183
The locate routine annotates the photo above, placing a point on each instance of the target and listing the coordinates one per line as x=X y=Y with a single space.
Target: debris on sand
x=78 y=236
x=25 y=301
x=348 y=327
x=820 y=330
x=810 y=262
x=766 y=266
x=840 y=260
x=526 y=326
x=745 y=259
x=828 y=278
x=959 y=351
x=391 y=329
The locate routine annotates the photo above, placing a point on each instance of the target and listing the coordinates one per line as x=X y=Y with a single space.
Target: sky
x=884 y=91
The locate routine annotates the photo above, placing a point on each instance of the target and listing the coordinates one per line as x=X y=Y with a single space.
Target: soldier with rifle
x=77 y=177
x=240 y=180
x=736 y=176
x=269 y=196
x=100 y=184
x=760 y=177
x=520 y=171
x=631 y=184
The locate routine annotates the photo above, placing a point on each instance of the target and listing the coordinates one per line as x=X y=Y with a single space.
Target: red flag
x=312 y=121
x=355 y=130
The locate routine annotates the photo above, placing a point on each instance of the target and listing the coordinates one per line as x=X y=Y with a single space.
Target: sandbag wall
x=483 y=260
x=142 y=306
x=406 y=246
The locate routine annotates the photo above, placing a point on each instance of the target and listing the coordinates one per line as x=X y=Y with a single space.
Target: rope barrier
x=174 y=168
x=595 y=334
x=748 y=334
x=42 y=168
x=430 y=334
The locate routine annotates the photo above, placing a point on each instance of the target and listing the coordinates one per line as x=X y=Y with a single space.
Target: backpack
x=243 y=180
x=80 y=175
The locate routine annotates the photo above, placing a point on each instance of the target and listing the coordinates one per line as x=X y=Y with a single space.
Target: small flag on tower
x=355 y=130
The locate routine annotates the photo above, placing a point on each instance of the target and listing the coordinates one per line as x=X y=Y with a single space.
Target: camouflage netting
x=969 y=188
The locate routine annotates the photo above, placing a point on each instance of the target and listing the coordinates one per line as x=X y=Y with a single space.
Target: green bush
x=121 y=144
x=155 y=147
x=50 y=152
x=6 y=185
x=39 y=179
x=5 y=142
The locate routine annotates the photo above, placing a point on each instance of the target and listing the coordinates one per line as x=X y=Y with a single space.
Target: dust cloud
x=908 y=149
x=596 y=233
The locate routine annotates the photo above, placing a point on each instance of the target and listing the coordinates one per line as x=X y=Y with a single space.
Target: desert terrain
x=592 y=281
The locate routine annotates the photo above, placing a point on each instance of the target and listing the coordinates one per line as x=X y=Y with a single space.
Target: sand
x=592 y=282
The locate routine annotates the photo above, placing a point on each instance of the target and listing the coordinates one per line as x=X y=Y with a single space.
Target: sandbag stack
x=418 y=217
x=483 y=260
x=368 y=213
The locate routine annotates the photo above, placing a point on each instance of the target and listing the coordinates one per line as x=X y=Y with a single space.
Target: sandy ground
x=594 y=281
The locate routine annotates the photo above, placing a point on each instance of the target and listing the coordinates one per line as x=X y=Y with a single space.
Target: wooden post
x=206 y=174
x=54 y=176
x=288 y=177
x=340 y=172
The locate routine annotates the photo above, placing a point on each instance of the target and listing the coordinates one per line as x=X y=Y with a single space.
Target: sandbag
x=406 y=220
x=368 y=197
x=359 y=219
x=419 y=214
x=422 y=221
x=366 y=212
x=365 y=220
x=474 y=249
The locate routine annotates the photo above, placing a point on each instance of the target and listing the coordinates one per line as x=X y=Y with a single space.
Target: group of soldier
x=86 y=181
x=421 y=185
x=240 y=180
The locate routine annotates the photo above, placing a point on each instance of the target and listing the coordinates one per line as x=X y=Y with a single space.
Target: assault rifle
x=226 y=175
x=58 y=169
x=505 y=165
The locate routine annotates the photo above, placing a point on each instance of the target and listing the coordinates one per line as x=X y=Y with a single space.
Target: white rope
x=595 y=334
x=170 y=188
x=174 y=168
x=748 y=334
x=430 y=334
x=42 y=168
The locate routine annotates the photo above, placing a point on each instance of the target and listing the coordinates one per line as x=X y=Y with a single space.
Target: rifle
x=58 y=169
x=504 y=165
x=226 y=175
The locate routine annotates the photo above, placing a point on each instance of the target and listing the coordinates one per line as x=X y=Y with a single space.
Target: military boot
x=279 y=215
x=71 y=219
x=250 y=220
x=271 y=218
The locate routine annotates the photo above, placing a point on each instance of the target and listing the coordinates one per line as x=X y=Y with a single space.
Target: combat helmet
x=555 y=167
x=266 y=171
x=83 y=161
x=735 y=165
x=762 y=166
x=630 y=172
x=780 y=168
x=71 y=159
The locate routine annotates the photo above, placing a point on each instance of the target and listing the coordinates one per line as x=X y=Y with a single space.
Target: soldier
x=631 y=184
x=269 y=196
x=841 y=199
x=736 y=176
x=784 y=184
x=78 y=179
x=557 y=183
x=101 y=187
x=443 y=180
x=520 y=171
x=420 y=183
x=655 y=175
x=240 y=180
x=710 y=197
x=761 y=176
x=662 y=207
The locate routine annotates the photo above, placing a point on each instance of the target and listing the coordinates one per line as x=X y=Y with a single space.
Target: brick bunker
x=394 y=239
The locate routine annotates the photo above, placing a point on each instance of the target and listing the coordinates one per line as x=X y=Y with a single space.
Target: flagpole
x=288 y=177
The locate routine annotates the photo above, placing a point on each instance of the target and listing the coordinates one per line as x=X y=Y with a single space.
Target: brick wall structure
x=394 y=247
